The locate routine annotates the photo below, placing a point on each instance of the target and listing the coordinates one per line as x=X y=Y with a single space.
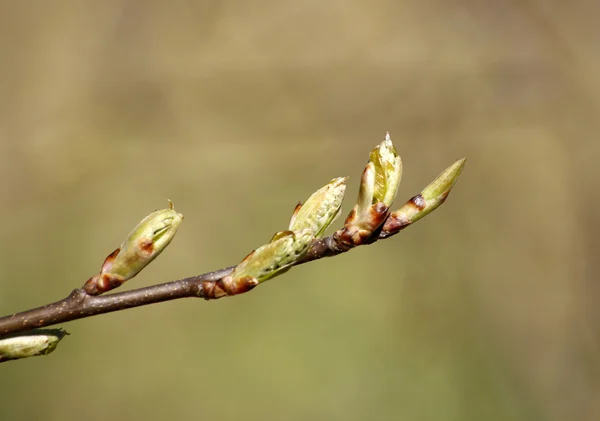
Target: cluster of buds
x=308 y=222
x=369 y=220
x=141 y=247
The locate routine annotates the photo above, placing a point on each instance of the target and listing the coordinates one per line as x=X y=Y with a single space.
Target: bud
x=441 y=186
x=264 y=263
x=388 y=172
x=320 y=209
x=378 y=187
x=269 y=260
x=427 y=201
x=30 y=344
x=309 y=221
x=141 y=247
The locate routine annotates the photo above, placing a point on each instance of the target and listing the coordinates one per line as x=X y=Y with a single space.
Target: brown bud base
x=102 y=282
x=364 y=230
x=227 y=286
x=393 y=225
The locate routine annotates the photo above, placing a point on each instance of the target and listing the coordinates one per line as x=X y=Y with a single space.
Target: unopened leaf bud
x=141 y=247
x=320 y=209
x=441 y=186
x=426 y=202
x=388 y=171
x=30 y=344
x=264 y=263
x=378 y=187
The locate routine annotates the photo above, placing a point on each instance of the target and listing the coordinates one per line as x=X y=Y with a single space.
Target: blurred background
x=485 y=310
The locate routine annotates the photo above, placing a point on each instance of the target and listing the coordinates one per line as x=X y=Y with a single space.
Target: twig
x=79 y=304
x=369 y=221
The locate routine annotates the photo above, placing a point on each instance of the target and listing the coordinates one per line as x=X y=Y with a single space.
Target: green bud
x=388 y=172
x=308 y=222
x=141 y=247
x=264 y=263
x=378 y=187
x=380 y=179
x=444 y=182
x=145 y=243
x=320 y=209
x=30 y=344
x=426 y=202
x=271 y=259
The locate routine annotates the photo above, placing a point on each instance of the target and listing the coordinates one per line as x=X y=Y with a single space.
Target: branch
x=369 y=221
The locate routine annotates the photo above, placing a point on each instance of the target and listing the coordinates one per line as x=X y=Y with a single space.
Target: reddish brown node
x=378 y=213
x=364 y=231
x=228 y=286
x=91 y=285
x=109 y=281
x=394 y=224
x=211 y=290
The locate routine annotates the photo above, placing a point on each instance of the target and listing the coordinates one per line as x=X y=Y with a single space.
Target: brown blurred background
x=485 y=310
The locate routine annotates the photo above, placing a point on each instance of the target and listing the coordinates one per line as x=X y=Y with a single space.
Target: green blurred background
x=485 y=310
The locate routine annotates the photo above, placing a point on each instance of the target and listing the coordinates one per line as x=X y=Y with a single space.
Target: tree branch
x=79 y=304
x=369 y=221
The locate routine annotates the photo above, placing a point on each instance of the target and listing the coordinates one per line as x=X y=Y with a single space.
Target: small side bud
x=378 y=187
x=141 y=247
x=30 y=344
x=426 y=202
x=320 y=209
